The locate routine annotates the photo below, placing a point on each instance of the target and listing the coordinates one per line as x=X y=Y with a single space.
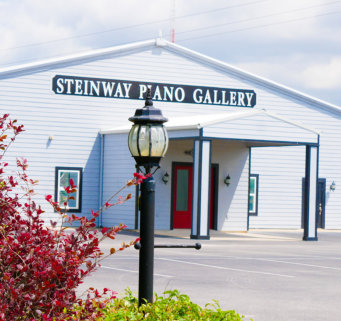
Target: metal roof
x=98 y=54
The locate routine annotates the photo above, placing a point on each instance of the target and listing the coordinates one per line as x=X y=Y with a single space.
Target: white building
x=278 y=148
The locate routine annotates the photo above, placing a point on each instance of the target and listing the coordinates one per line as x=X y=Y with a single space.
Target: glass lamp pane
x=158 y=141
x=167 y=140
x=143 y=140
x=132 y=140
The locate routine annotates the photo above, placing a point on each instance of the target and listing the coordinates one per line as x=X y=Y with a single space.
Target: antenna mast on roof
x=173 y=22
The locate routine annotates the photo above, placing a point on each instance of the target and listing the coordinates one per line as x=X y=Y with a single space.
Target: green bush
x=173 y=306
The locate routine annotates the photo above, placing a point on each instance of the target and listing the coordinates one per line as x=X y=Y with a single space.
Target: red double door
x=183 y=195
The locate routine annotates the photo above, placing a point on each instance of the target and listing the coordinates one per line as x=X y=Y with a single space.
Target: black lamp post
x=148 y=142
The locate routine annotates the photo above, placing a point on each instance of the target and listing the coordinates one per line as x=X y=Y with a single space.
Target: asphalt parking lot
x=266 y=275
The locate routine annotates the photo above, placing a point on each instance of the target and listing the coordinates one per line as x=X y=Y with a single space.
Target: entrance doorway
x=320 y=202
x=182 y=195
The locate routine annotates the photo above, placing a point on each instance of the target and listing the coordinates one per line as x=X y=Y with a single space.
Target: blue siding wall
x=280 y=172
x=118 y=168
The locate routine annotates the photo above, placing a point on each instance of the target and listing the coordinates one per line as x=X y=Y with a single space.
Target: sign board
x=126 y=89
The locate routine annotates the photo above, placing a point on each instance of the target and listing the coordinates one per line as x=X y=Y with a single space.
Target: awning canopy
x=256 y=127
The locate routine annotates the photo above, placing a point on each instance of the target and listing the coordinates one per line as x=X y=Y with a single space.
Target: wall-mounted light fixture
x=227 y=180
x=332 y=186
x=189 y=152
x=165 y=178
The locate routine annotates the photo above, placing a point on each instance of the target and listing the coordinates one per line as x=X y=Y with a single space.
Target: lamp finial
x=149 y=101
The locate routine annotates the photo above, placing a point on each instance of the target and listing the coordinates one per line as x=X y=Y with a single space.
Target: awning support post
x=310 y=189
x=201 y=189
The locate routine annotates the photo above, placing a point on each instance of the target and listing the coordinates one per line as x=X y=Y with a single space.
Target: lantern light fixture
x=165 y=178
x=332 y=186
x=227 y=180
x=147 y=142
x=148 y=139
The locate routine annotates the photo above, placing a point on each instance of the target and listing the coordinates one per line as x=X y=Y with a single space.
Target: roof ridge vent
x=160 y=41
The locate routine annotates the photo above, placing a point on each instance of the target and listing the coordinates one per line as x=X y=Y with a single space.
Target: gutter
x=101 y=165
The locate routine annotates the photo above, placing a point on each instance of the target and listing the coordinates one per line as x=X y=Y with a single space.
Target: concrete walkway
x=274 y=234
x=262 y=234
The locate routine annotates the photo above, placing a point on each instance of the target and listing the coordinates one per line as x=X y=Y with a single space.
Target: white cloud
x=301 y=72
x=27 y=22
x=300 y=54
x=324 y=75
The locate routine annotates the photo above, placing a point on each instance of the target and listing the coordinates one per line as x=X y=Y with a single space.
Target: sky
x=294 y=42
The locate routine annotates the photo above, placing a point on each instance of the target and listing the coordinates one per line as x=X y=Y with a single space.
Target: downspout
x=101 y=165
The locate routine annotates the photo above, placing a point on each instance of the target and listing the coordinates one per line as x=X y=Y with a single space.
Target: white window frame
x=59 y=188
x=254 y=211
